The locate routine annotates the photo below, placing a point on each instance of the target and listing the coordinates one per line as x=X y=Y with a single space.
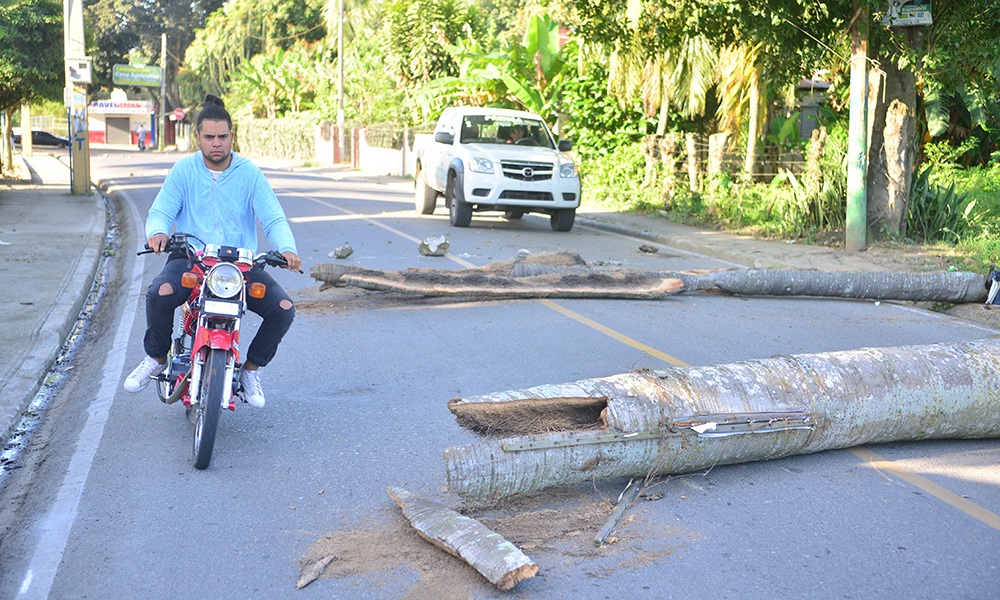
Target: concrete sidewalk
x=51 y=247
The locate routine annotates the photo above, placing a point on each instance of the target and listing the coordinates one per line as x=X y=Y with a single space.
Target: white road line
x=55 y=529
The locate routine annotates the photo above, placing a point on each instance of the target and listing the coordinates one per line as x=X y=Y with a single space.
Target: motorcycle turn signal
x=257 y=290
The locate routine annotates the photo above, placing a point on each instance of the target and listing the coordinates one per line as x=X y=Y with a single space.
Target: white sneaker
x=138 y=379
x=252 y=392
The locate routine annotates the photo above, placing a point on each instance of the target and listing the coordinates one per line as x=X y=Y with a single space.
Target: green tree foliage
x=418 y=34
x=31 y=52
x=244 y=29
x=528 y=75
x=960 y=67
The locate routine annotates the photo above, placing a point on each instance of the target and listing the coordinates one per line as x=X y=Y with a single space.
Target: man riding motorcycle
x=217 y=196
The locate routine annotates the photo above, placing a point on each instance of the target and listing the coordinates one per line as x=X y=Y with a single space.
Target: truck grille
x=523 y=195
x=527 y=171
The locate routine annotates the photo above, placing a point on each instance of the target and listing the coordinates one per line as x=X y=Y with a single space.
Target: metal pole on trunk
x=162 y=121
x=340 y=81
x=857 y=151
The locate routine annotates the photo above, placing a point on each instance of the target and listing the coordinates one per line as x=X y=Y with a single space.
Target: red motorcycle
x=204 y=357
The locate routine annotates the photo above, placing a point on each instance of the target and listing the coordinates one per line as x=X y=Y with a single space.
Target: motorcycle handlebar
x=178 y=243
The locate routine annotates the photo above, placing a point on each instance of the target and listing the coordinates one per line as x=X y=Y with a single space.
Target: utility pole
x=340 y=81
x=856 y=237
x=75 y=97
x=162 y=122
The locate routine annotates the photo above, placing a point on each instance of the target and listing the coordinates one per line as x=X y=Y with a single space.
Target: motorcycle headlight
x=225 y=280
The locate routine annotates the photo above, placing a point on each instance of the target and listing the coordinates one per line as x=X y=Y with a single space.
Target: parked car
x=488 y=159
x=43 y=138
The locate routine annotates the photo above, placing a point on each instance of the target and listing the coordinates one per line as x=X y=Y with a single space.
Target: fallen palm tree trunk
x=956 y=287
x=487 y=283
x=679 y=420
x=497 y=559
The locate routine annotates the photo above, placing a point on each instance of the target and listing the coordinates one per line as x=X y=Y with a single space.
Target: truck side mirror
x=565 y=145
x=443 y=137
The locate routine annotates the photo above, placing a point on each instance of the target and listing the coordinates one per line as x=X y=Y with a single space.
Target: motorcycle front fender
x=215 y=339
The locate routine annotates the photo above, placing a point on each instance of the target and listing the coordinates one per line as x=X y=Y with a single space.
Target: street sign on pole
x=136 y=75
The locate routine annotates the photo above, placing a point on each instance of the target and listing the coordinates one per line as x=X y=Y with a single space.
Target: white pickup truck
x=490 y=159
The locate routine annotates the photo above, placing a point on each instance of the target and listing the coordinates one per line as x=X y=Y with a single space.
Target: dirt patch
x=556 y=529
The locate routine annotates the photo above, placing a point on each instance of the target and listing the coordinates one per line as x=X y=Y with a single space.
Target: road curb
x=58 y=324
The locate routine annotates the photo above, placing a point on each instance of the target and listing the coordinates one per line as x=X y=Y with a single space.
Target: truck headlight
x=480 y=165
x=225 y=280
x=568 y=171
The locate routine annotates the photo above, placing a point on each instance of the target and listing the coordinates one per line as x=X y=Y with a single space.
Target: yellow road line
x=614 y=334
x=970 y=508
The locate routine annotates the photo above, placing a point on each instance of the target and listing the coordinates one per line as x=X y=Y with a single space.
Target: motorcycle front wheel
x=213 y=381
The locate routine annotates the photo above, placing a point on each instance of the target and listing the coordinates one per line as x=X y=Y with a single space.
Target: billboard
x=904 y=13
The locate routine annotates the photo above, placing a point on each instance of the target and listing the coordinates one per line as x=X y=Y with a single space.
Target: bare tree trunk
x=668 y=154
x=753 y=133
x=694 y=166
x=519 y=280
x=679 y=420
x=890 y=139
x=651 y=152
x=6 y=146
x=814 y=174
x=900 y=147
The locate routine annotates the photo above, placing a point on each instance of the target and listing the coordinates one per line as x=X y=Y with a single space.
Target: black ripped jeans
x=160 y=313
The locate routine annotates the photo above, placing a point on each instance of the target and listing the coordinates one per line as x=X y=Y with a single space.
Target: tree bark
x=814 y=174
x=498 y=560
x=753 y=132
x=679 y=420
x=891 y=138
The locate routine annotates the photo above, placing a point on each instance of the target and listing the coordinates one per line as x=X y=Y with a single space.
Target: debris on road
x=313 y=571
x=330 y=274
x=434 y=246
x=624 y=501
x=342 y=252
x=498 y=560
x=956 y=286
x=679 y=420
x=648 y=249
x=566 y=275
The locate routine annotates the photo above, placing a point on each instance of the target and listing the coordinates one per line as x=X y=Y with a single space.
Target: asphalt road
x=108 y=505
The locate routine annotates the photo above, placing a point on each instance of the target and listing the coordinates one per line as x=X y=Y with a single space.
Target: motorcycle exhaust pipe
x=179 y=390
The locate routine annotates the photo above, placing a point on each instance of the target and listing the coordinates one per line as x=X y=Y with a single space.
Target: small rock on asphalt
x=434 y=246
x=342 y=252
x=648 y=249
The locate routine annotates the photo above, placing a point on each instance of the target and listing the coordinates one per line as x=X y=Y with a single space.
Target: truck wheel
x=562 y=220
x=424 y=196
x=459 y=213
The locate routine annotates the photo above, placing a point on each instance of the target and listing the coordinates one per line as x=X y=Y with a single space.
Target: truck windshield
x=503 y=129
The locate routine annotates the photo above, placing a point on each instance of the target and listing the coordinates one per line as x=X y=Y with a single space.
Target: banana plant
x=527 y=75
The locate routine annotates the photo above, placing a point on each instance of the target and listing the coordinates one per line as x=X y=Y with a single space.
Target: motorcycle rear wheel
x=209 y=406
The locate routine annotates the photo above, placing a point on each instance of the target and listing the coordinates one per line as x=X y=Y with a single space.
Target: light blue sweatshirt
x=220 y=212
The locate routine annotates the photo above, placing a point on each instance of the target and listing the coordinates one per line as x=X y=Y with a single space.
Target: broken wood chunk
x=498 y=560
x=313 y=571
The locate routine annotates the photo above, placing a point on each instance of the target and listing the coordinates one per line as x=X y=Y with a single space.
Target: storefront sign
x=128 y=107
